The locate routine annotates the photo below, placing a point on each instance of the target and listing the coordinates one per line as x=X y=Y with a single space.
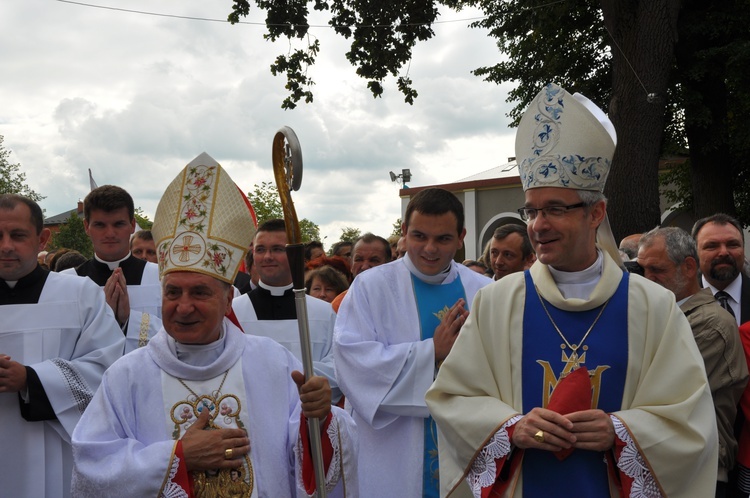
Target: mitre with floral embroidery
x=203 y=224
x=564 y=140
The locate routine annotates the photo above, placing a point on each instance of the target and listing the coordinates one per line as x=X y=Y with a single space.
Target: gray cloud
x=136 y=97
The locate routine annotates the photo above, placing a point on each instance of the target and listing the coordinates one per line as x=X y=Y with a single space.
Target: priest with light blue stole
x=584 y=381
x=395 y=327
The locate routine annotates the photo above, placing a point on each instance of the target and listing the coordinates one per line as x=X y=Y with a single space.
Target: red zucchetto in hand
x=572 y=394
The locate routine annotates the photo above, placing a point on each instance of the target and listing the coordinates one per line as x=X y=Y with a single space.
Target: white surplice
x=321 y=320
x=68 y=338
x=145 y=309
x=145 y=306
x=384 y=368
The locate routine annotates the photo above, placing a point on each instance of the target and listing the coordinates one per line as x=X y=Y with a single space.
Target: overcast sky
x=135 y=97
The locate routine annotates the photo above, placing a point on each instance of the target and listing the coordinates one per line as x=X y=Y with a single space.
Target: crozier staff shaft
x=287 y=171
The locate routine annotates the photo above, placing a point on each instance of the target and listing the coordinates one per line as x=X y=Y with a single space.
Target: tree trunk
x=710 y=158
x=645 y=32
x=705 y=97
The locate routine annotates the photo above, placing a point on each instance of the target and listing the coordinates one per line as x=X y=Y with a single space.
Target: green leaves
x=267 y=206
x=350 y=234
x=72 y=235
x=564 y=41
x=295 y=67
x=383 y=34
x=12 y=179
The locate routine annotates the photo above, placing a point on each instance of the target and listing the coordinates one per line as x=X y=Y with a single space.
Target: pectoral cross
x=573 y=361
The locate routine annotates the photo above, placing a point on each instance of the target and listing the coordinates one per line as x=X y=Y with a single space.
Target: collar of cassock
x=199 y=355
x=275 y=291
x=167 y=356
x=579 y=284
x=112 y=264
x=25 y=290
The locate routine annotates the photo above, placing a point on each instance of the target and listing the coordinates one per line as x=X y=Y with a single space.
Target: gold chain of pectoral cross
x=573 y=347
x=215 y=394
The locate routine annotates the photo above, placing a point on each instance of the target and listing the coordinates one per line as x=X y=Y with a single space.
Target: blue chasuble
x=546 y=359
x=433 y=302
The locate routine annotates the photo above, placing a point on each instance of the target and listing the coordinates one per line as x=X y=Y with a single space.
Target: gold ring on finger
x=539 y=436
x=228 y=453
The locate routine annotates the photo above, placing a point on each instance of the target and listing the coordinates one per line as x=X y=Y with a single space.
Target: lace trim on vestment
x=631 y=464
x=483 y=470
x=334 y=468
x=171 y=488
x=77 y=386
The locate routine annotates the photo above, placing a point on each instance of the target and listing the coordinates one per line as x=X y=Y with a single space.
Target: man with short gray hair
x=370 y=250
x=629 y=245
x=669 y=258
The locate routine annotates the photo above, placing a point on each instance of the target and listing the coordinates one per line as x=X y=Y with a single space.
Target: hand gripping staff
x=287 y=170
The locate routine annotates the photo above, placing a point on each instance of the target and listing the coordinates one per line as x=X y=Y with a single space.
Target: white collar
x=275 y=291
x=112 y=264
x=199 y=355
x=430 y=279
x=734 y=289
x=579 y=284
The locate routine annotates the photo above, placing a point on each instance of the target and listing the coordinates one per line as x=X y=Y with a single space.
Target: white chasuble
x=37 y=337
x=145 y=307
x=666 y=405
x=183 y=403
x=127 y=439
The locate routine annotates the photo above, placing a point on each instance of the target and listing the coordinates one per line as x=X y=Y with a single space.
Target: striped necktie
x=723 y=299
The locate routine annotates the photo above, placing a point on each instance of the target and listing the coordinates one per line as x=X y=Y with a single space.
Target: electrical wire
x=650 y=97
x=208 y=19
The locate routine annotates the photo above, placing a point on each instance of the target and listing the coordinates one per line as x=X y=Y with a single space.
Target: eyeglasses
x=529 y=214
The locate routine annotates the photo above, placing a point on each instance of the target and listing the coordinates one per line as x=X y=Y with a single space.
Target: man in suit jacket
x=721 y=251
x=721 y=254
